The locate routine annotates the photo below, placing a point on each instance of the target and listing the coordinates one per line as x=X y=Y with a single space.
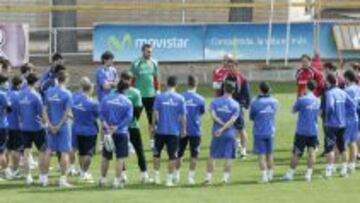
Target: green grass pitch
x=244 y=187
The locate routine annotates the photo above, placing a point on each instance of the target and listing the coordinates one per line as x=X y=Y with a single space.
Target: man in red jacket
x=230 y=72
x=307 y=73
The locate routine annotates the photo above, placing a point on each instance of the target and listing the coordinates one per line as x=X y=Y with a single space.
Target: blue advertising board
x=246 y=41
x=170 y=42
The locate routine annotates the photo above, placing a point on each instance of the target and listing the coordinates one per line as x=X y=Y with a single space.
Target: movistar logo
x=115 y=44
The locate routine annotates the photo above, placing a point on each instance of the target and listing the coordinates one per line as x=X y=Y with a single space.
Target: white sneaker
x=270 y=175
x=87 y=177
x=328 y=173
x=225 y=181
x=102 y=182
x=144 y=179
x=288 y=177
x=118 y=183
x=16 y=174
x=191 y=181
x=343 y=172
x=169 y=183
x=176 y=177
x=63 y=183
x=29 y=180
x=73 y=171
x=264 y=179
x=157 y=179
x=124 y=178
x=43 y=181
x=8 y=174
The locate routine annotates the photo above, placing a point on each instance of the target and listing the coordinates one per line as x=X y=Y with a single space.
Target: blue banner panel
x=170 y=42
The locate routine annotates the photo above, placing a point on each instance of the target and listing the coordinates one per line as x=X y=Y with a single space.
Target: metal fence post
x=268 y=54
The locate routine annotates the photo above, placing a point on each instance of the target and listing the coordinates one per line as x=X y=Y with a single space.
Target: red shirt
x=220 y=74
x=304 y=75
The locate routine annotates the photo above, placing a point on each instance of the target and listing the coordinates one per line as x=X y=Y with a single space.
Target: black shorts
x=15 y=141
x=3 y=140
x=148 y=103
x=36 y=137
x=86 y=145
x=194 y=142
x=172 y=145
x=240 y=123
x=121 y=147
x=334 y=137
x=301 y=142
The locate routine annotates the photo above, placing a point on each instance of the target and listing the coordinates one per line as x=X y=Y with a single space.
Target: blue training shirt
x=308 y=107
x=4 y=105
x=195 y=109
x=117 y=110
x=86 y=113
x=105 y=74
x=225 y=108
x=171 y=107
x=263 y=112
x=353 y=91
x=12 y=117
x=30 y=110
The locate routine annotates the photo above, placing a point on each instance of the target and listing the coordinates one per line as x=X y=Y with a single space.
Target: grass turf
x=244 y=185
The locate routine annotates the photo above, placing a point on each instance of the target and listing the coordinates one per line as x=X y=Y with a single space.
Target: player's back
x=57 y=100
x=351 y=111
x=195 y=108
x=225 y=108
x=171 y=106
x=308 y=107
x=30 y=110
x=85 y=111
x=335 y=107
x=117 y=110
x=12 y=116
x=263 y=111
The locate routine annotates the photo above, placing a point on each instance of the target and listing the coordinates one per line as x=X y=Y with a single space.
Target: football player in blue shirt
x=168 y=125
x=263 y=112
x=224 y=111
x=25 y=70
x=336 y=103
x=106 y=76
x=195 y=109
x=86 y=112
x=48 y=79
x=15 y=143
x=30 y=113
x=57 y=113
x=116 y=114
x=306 y=136
x=352 y=121
x=5 y=108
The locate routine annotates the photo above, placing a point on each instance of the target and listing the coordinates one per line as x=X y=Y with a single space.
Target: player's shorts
x=172 y=145
x=301 y=142
x=86 y=144
x=74 y=141
x=351 y=132
x=223 y=147
x=240 y=122
x=194 y=142
x=121 y=142
x=148 y=103
x=39 y=138
x=263 y=146
x=15 y=141
x=61 y=141
x=334 y=137
x=3 y=140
